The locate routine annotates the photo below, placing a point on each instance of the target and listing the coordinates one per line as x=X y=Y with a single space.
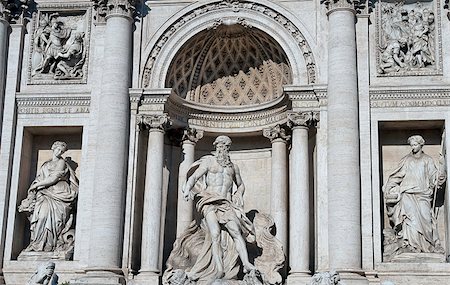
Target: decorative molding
x=398 y=52
x=154 y=122
x=302 y=119
x=275 y=133
x=409 y=98
x=236 y=6
x=74 y=14
x=53 y=105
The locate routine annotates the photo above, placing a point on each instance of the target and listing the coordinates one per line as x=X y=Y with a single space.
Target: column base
x=100 y=278
x=146 y=278
x=353 y=279
x=298 y=279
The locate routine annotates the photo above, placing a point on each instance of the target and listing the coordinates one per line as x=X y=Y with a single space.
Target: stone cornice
x=302 y=119
x=277 y=132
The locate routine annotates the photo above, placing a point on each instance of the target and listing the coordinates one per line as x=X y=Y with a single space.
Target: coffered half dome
x=230 y=65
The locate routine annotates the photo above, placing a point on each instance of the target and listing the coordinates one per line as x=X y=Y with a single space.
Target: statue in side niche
x=214 y=250
x=410 y=193
x=44 y=275
x=49 y=203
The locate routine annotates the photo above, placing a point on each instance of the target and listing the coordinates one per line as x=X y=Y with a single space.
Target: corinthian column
x=151 y=221
x=185 y=208
x=279 y=195
x=113 y=134
x=343 y=140
x=299 y=198
x=4 y=25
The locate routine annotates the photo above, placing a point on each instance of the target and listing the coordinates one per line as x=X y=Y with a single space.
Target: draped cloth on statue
x=192 y=251
x=413 y=182
x=51 y=215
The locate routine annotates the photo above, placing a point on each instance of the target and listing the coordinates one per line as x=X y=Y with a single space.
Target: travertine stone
x=343 y=143
x=279 y=193
x=185 y=209
x=151 y=221
x=113 y=119
x=45 y=275
x=299 y=193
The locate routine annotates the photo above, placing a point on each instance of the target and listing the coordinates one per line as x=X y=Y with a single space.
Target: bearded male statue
x=214 y=249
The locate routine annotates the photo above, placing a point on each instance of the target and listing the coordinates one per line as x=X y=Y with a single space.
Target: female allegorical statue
x=409 y=193
x=49 y=201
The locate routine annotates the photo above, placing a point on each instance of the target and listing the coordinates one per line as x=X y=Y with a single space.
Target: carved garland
x=236 y=7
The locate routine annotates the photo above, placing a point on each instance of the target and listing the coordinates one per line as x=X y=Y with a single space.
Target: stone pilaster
x=185 y=208
x=279 y=193
x=344 y=189
x=112 y=155
x=4 y=25
x=299 y=197
x=151 y=221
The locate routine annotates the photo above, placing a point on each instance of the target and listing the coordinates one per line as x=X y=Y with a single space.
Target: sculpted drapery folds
x=410 y=200
x=215 y=247
x=50 y=199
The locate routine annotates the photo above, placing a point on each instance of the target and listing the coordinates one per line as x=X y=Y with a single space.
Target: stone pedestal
x=279 y=193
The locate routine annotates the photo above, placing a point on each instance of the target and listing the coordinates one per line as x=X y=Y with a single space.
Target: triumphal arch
x=224 y=142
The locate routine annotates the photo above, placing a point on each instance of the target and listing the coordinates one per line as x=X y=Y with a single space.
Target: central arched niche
x=230 y=65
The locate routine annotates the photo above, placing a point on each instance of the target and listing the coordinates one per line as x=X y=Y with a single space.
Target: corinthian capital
x=339 y=4
x=4 y=10
x=107 y=8
x=302 y=119
x=276 y=132
x=154 y=122
x=14 y=10
x=192 y=135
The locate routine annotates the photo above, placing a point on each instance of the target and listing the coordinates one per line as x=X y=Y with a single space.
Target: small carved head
x=416 y=142
x=61 y=145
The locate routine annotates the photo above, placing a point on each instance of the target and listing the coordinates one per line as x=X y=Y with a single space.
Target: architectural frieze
x=236 y=6
x=53 y=105
x=409 y=98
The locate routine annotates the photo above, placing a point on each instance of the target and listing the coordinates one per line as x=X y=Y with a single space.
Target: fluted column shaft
x=186 y=208
x=299 y=193
x=113 y=133
x=279 y=193
x=343 y=141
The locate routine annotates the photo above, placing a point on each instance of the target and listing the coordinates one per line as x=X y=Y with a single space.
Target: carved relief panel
x=59 y=45
x=408 y=38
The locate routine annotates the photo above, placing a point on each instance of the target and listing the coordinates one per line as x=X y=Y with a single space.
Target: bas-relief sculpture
x=410 y=197
x=407 y=42
x=213 y=250
x=58 y=47
x=49 y=204
x=44 y=275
